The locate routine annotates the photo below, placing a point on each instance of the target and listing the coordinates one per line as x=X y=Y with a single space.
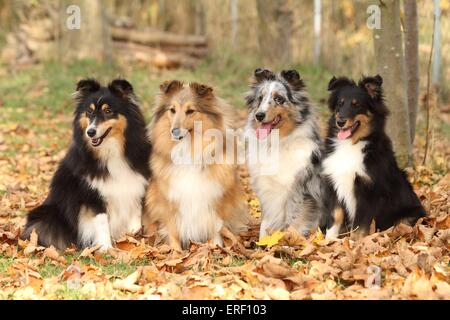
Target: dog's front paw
x=105 y=247
x=218 y=240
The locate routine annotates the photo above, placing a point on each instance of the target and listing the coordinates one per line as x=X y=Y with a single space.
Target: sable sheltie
x=190 y=198
x=293 y=194
x=97 y=192
x=359 y=162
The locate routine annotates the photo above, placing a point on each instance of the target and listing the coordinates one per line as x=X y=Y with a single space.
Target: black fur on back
x=389 y=197
x=56 y=220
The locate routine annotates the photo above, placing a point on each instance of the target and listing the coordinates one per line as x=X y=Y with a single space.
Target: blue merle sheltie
x=359 y=162
x=96 y=194
x=291 y=195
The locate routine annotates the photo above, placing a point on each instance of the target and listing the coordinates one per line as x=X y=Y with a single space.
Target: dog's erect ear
x=201 y=90
x=293 y=78
x=261 y=74
x=171 y=86
x=122 y=88
x=85 y=87
x=336 y=83
x=372 y=85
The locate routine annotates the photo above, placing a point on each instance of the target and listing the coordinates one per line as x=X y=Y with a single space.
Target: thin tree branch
x=427 y=100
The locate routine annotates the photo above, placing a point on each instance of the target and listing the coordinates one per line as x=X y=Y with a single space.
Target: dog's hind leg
x=93 y=230
x=217 y=238
x=50 y=226
x=338 y=217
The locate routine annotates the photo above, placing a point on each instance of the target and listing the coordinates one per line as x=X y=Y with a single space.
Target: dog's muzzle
x=178 y=133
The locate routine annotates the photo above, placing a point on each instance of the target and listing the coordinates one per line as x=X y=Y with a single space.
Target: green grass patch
x=237 y=261
x=5 y=263
x=48 y=269
x=116 y=269
x=47 y=88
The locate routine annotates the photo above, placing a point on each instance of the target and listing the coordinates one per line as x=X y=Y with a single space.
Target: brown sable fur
x=178 y=106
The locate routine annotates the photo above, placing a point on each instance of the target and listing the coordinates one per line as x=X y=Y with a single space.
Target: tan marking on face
x=117 y=132
x=338 y=215
x=364 y=128
x=354 y=103
x=84 y=122
x=104 y=107
x=92 y=106
x=286 y=124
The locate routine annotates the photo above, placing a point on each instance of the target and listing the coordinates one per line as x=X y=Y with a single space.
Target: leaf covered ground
x=400 y=263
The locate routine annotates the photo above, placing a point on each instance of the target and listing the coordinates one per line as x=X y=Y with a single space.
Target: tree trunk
x=178 y=16
x=437 y=45
x=412 y=62
x=234 y=22
x=317 y=25
x=391 y=66
x=275 y=30
x=92 y=40
x=200 y=28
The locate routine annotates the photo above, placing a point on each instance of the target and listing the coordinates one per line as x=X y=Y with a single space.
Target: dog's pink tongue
x=344 y=134
x=263 y=132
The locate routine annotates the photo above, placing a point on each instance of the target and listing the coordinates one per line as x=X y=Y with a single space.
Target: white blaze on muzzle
x=100 y=133
x=92 y=126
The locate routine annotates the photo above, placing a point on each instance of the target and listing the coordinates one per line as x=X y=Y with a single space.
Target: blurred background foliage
x=219 y=42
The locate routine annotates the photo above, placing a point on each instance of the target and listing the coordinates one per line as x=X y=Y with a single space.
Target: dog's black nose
x=91 y=132
x=176 y=132
x=260 y=116
x=341 y=123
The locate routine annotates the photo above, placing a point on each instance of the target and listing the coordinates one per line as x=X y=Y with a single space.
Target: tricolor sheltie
x=96 y=194
x=359 y=163
x=190 y=198
x=293 y=194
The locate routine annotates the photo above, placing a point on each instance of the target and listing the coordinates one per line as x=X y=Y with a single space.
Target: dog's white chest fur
x=273 y=189
x=195 y=192
x=122 y=191
x=342 y=166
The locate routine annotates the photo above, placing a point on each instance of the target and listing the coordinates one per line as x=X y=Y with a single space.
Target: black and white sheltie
x=96 y=194
x=359 y=162
x=291 y=195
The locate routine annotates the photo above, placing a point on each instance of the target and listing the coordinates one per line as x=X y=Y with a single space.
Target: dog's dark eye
x=190 y=111
x=107 y=111
x=279 y=99
x=172 y=110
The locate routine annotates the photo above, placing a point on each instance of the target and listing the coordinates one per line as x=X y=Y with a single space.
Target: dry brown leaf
x=53 y=254
x=87 y=252
x=275 y=268
x=300 y=294
x=278 y=294
x=129 y=283
x=197 y=293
